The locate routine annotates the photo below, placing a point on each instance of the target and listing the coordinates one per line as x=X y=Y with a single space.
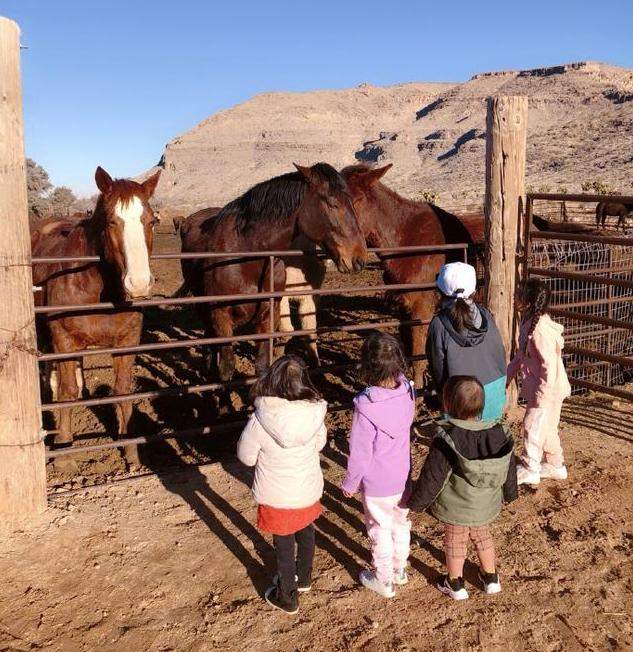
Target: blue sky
x=110 y=82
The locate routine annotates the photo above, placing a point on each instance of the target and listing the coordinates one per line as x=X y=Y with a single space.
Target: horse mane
x=274 y=200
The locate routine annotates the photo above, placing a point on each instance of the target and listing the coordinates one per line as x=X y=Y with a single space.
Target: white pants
x=389 y=531
x=541 y=441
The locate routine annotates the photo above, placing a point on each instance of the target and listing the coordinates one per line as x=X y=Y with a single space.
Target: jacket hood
x=469 y=336
x=290 y=423
x=390 y=410
x=547 y=322
x=483 y=473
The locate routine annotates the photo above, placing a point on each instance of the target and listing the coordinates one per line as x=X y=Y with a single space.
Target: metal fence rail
x=271 y=335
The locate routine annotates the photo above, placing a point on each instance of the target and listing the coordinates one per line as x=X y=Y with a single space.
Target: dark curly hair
x=287 y=377
x=536 y=296
x=381 y=359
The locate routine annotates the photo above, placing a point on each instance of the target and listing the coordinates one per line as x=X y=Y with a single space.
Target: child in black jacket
x=468 y=474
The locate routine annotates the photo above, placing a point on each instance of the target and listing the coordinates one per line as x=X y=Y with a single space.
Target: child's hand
x=347 y=494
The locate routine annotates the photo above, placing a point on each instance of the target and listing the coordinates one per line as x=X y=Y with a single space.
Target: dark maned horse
x=120 y=232
x=605 y=208
x=389 y=220
x=314 y=202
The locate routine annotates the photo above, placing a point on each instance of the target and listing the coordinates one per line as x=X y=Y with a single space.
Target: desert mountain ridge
x=580 y=128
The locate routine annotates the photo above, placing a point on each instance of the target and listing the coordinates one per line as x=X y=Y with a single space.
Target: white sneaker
x=369 y=580
x=555 y=472
x=525 y=476
x=454 y=589
x=400 y=577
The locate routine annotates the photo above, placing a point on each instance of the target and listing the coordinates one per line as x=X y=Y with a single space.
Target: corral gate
x=591 y=279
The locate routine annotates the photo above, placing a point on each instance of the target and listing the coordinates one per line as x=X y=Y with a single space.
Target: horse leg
x=263 y=359
x=285 y=320
x=67 y=391
x=53 y=380
x=123 y=366
x=308 y=318
x=423 y=310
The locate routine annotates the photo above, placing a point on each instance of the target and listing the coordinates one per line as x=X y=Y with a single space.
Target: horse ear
x=149 y=185
x=371 y=177
x=305 y=172
x=103 y=180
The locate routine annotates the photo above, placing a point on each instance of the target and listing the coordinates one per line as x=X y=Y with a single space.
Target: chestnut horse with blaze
x=389 y=220
x=120 y=232
x=313 y=202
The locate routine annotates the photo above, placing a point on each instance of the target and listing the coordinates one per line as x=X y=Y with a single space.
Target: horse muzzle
x=138 y=287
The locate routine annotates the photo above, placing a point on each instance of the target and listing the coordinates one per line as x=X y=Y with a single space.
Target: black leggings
x=287 y=565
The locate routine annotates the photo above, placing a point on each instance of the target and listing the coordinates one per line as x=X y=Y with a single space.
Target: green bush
x=597 y=187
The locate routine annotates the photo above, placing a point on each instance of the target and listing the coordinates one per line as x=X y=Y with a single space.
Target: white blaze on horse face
x=138 y=278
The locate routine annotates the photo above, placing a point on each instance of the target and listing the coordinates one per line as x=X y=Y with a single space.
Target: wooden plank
x=505 y=188
x=22 y=466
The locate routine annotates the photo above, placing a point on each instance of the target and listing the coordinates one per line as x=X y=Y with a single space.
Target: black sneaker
x=303 y=586
x=491 y=582
x=287 y=603
x=454 y=589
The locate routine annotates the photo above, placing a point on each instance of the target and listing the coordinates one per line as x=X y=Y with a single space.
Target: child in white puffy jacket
x=282 y=441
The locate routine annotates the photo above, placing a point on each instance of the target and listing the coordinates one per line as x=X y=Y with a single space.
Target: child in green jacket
x=469 y=471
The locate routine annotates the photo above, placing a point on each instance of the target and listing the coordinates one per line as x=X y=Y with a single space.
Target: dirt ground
x=171 y=560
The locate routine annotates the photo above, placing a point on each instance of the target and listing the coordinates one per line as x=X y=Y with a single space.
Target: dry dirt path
x=173 y=562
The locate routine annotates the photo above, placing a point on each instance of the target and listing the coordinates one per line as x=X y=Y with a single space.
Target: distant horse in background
x=313 y=202
x=617 y=209
x=120 y=232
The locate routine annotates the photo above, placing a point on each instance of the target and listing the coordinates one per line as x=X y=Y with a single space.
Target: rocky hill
x=580 y=129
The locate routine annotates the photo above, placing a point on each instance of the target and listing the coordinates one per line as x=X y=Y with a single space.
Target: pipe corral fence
x=591 y=280
x=271 y=336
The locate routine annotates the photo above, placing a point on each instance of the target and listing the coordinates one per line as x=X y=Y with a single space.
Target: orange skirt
x=286 y=521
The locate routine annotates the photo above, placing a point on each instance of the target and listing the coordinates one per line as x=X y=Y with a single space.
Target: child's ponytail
x=537 y=296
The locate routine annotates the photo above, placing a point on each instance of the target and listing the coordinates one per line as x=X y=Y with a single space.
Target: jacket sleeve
x=499 y=347
x=361 y=451
x=548 y=357
x=321 y=438
x=435 y=352
x=249 y=445
x=436 y=469
x=510 y=487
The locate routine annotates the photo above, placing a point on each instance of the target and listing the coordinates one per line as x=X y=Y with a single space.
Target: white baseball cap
x=457 y=280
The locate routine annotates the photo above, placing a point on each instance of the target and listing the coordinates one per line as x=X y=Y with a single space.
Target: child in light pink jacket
x=544 y=385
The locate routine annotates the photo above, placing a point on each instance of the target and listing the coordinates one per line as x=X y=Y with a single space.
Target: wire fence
x=592 y=296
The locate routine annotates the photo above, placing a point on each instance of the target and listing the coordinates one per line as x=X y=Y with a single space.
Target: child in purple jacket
x=379 y=459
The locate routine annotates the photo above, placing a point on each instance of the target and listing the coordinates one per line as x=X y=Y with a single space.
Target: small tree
x=61 y=199
x=37 y=187
x=426 y=195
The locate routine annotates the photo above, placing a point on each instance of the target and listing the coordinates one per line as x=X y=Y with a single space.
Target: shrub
x=598 y=187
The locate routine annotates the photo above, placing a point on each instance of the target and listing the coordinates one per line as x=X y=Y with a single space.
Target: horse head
x=328 y=217
x=125 y=223
x=360 y=180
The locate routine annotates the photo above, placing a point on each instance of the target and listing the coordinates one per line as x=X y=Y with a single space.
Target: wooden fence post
x=506 y=124
x=22 y=464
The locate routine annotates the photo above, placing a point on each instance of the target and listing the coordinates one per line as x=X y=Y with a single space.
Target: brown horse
x=314 y=202
x=389 y=220
x=120 y=232
x=606 y=208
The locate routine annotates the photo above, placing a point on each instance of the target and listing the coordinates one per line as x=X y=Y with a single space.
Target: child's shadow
x=194 y=488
